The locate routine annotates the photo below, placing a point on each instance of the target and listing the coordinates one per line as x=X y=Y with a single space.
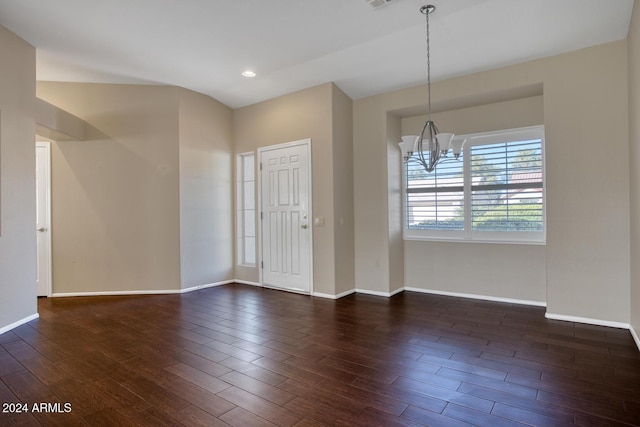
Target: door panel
x=286 y=235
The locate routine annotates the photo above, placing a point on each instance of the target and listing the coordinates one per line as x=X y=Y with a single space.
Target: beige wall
x=506 y=114
x=115 y=203
x=342 y=119
x=587 y=255
x=17 y=180
x=588 y=213
x=301 y=115
x=495 y=270
x=206 y=221
x=633 y=50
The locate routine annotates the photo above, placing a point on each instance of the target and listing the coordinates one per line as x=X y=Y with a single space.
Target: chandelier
x=431 y=147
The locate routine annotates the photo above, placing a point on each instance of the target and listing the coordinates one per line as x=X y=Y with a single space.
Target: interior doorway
x=43 y=218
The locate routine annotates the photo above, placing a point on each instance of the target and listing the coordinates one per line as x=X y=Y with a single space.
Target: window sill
x=485 y=241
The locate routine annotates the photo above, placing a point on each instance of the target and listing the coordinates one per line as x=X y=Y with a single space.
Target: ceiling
x=204 y=45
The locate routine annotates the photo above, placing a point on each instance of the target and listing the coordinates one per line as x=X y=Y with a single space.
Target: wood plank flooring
x=243 y=356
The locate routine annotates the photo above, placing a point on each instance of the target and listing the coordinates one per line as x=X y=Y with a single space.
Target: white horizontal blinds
x=246 y=210
x=435 y=201
x=507 y=186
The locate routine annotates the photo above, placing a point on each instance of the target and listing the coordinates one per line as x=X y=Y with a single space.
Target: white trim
x=635 y=336
x=336 y=296
x=587 y=320
x=345 y=293
x=240 y=207
x=141 y=292
x=247 y=282
x=47 y=146
x=465 y=240
x=326 y=296
x=480 y=297
x=114 y=293
x=208 y=285
x=378 y=293
x=397 y=291
x=18 y=323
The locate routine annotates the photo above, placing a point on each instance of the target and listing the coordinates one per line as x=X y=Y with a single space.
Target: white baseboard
x=378 y=293
x=326 y=296
x=587 y=320
x=430 y=291
x=208 y=285
x=337 y=296
x=397 y=291
x=246 y=282
x=480 y=297
x=18 y=323
x=635 y=336
x=345 y=293
x=140 y=292
x=374 y=293
x=114 y=293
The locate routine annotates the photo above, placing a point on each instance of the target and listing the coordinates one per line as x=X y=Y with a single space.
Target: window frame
x=482 y=236
x=241 y=209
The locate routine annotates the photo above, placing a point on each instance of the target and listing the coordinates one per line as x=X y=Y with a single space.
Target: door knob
x=42 y=229
x=304 y=226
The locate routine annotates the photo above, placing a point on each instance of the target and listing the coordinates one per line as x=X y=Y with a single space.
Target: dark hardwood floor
x=244 y=356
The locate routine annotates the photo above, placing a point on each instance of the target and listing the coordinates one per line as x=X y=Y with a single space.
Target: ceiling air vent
x=378 y=3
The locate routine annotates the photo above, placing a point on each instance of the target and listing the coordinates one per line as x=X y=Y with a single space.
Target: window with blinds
x=435 y=201
x=506 y=186
x=495 y=193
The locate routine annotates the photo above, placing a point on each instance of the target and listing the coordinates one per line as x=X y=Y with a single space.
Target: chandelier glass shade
x=431 y=147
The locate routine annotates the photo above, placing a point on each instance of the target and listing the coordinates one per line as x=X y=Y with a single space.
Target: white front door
x=43 y=218
x=285 y=189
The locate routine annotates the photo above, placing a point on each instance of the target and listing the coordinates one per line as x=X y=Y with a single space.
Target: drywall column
x=342 y=128
x=394 y=210
x=633 y=50
x=371 y=197
x=17 y=181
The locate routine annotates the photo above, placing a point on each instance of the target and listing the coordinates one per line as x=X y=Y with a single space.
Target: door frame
x=303 y=142
x=47 y=146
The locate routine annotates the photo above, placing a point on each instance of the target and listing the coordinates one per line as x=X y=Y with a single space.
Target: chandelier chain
x=438 y=144
x=428 y=65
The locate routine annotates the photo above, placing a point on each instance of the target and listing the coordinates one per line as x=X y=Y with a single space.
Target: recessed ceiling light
x=248 y=73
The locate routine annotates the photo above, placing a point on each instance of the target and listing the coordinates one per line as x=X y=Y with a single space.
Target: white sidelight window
x=245 y=209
